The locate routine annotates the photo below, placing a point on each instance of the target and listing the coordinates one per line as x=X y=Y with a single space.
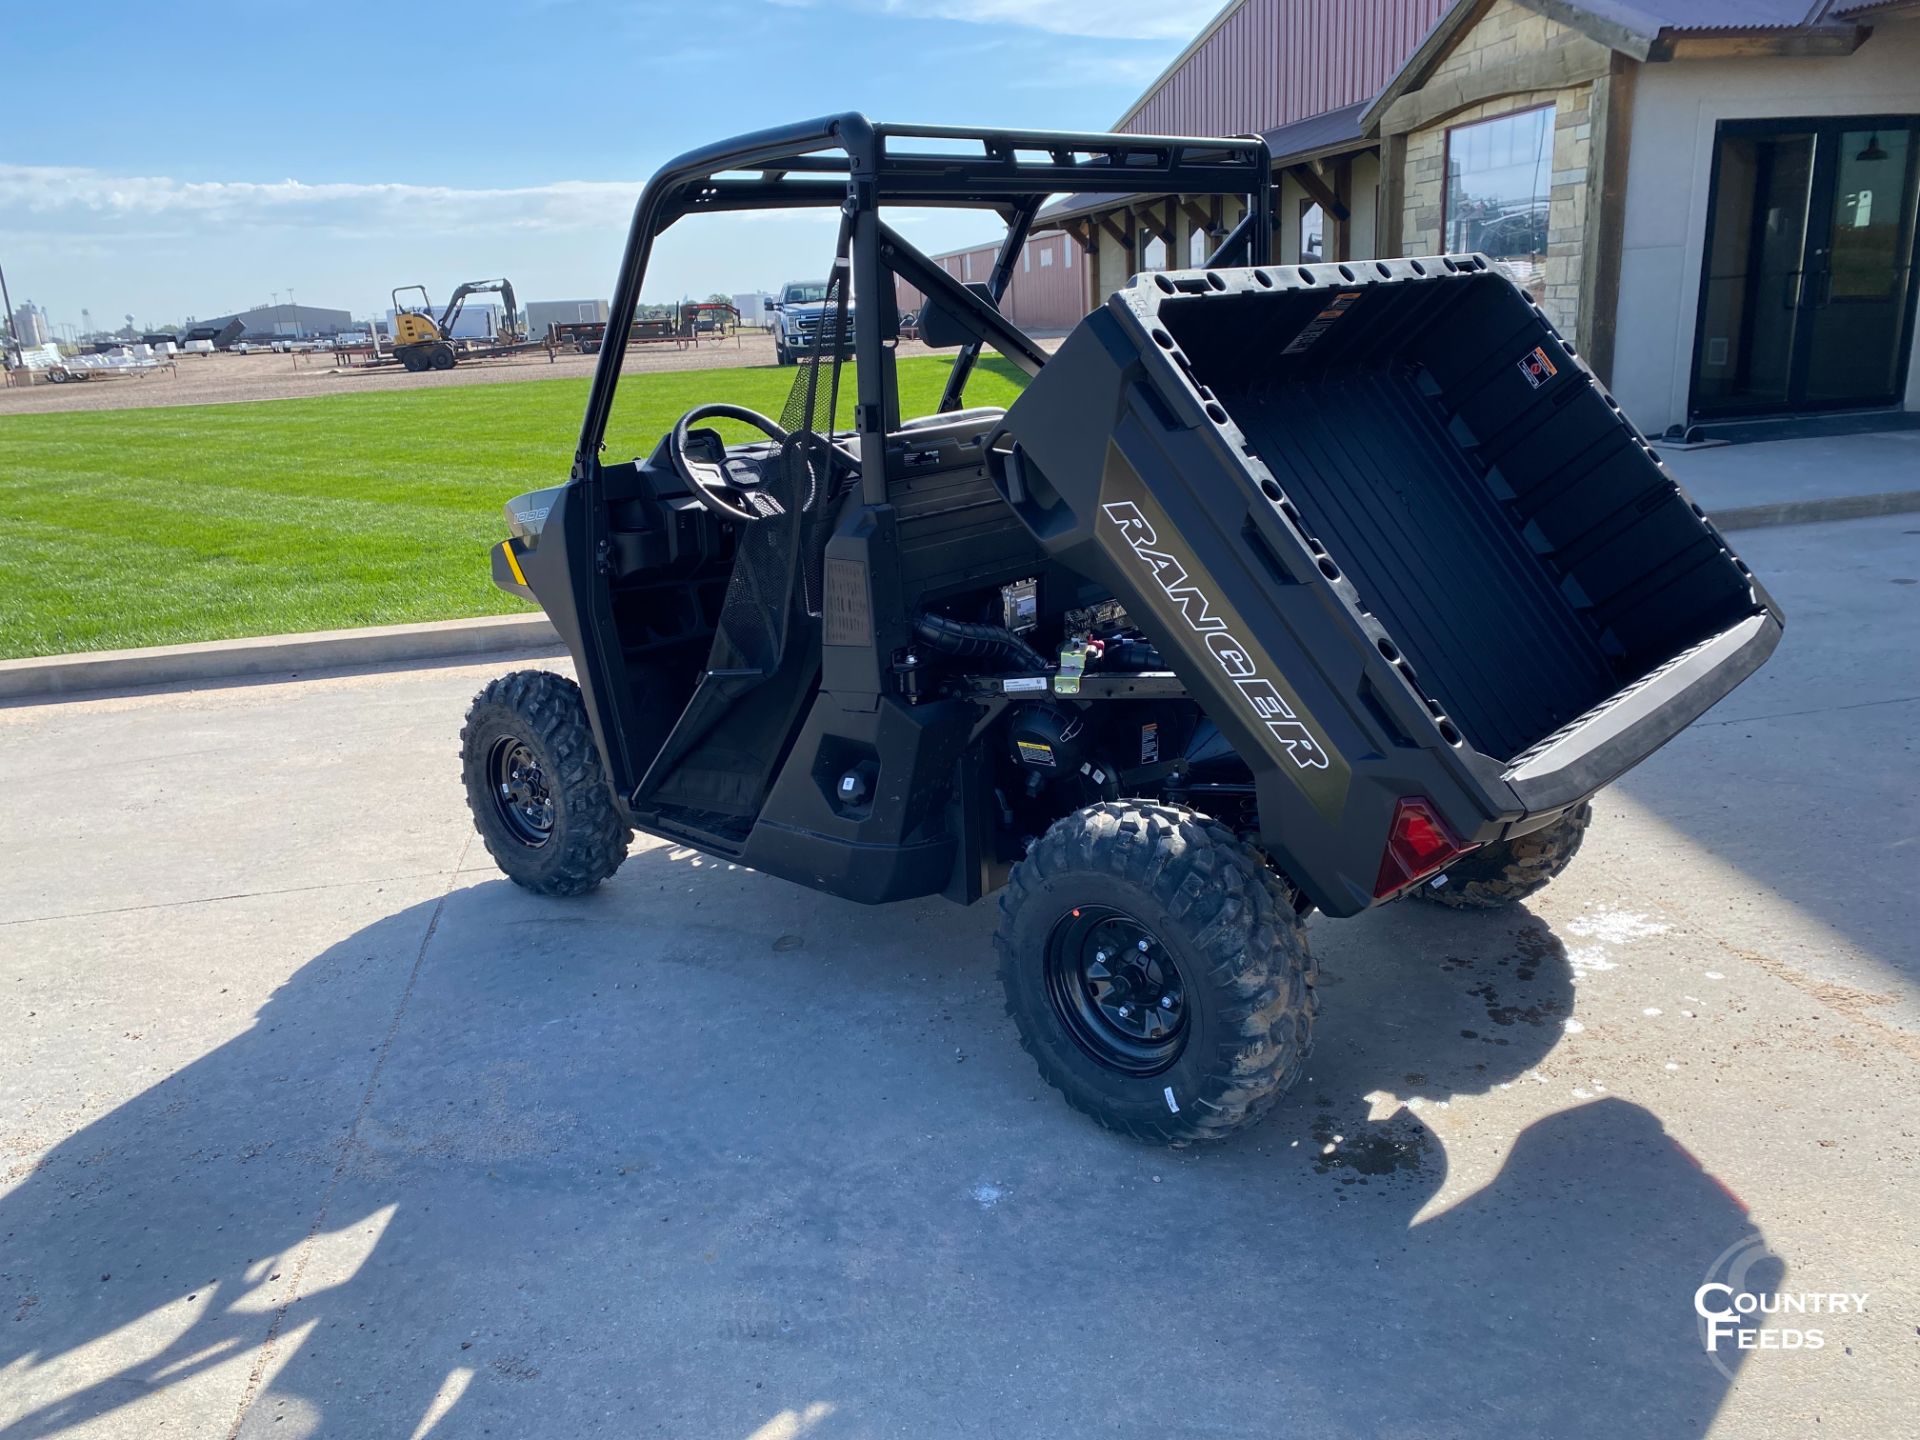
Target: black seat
x=954 y=530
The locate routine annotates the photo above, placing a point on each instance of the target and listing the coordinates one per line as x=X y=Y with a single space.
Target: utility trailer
x=689 y=322
x=1278 y=588
x=584 y=336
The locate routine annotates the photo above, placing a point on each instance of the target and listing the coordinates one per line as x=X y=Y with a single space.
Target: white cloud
x=54 y=196
x=166 y=248
x=1113 y=20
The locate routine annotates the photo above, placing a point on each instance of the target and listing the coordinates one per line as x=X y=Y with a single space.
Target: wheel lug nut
x=1143 y=947
x=1125 y=1011
x=1166 y=1002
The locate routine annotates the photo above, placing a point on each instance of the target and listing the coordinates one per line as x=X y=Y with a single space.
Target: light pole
x=297 y=333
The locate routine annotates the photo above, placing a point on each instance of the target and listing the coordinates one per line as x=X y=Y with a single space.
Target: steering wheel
x=731 y=488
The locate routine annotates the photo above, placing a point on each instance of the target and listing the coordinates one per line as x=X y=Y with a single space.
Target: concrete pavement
x=313 y=1125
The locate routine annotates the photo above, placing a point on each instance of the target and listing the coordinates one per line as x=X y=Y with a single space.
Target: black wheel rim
x=1117 y=989
x=520 y=793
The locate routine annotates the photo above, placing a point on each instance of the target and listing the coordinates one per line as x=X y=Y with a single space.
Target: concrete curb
x=1807 y=512
x=54 y=677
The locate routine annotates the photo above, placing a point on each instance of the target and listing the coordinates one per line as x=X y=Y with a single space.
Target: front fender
x=508 y=574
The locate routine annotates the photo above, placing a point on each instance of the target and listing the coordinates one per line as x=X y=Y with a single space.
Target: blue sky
x=193 y=158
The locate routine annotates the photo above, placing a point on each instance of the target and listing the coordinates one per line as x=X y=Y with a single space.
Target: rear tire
x=443 y=357
x=413 y=360
x=1508 y=871
x=1149 y=909
x=536 y=787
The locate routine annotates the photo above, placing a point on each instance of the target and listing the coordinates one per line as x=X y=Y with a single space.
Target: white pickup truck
x=797 y=317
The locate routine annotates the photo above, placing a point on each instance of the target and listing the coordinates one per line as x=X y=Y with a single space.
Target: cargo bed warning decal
x=1192 y=604
x=1537 y=367
x=1322 y=322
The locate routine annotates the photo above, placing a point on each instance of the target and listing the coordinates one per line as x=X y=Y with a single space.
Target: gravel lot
x=310 y=1124
x=227 y=379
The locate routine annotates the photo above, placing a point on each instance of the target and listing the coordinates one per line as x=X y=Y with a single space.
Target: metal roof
x=1333 y=131
x=1265 y=63
x=1651 y=18
x=1318 y=135
x=1077 y=205
x=1643 y=29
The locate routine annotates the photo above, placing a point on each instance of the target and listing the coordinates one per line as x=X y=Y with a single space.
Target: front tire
x=1157 y=972
x=536 y=787
x=1508 y=871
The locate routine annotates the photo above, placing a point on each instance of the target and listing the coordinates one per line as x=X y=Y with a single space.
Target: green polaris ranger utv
x=1279 y=588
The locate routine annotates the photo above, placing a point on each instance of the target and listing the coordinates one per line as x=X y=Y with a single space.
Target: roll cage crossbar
x=849 y=163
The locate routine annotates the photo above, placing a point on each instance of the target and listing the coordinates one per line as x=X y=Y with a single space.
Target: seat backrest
x=954 y=531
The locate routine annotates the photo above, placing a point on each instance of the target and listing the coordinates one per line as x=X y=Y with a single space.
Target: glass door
x=1807 y=294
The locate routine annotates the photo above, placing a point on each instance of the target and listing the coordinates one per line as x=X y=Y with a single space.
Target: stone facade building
x=1714 y=199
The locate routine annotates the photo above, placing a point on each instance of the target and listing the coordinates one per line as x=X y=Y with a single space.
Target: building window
x=1499 y=190
x=1153 y=251
x=1066 y=250
x=966 y=265
x=1046 y=257
x=1313 y=229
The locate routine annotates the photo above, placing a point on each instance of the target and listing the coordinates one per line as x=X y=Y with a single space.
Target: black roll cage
x=849 y=163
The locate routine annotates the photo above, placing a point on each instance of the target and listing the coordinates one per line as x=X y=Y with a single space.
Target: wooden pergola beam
x=1157 y=220
x=1340 y=226
x=1316 y=188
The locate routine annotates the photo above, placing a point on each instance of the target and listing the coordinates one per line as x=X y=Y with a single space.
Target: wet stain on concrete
x=1532 y=944
x=1534 y=1012
x=1397 y=1147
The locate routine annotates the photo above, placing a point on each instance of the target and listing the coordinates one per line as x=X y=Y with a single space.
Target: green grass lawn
x=153 y=527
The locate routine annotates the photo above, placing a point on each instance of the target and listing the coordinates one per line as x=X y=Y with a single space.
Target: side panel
x=562 y=574
x=888 y=835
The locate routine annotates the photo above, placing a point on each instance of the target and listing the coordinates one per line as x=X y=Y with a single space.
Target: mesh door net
x=813 y=407
x=786 y=545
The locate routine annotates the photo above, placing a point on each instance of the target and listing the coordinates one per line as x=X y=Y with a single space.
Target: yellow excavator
x=421 y=342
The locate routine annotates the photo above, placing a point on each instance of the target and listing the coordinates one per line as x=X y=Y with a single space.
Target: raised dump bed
x=1397 y=481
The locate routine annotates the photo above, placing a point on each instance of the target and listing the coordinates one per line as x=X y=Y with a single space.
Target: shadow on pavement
x=1804 y=778
x=706 y=1153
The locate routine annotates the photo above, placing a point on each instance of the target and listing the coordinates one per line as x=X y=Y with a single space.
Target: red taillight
x=1418 y=844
